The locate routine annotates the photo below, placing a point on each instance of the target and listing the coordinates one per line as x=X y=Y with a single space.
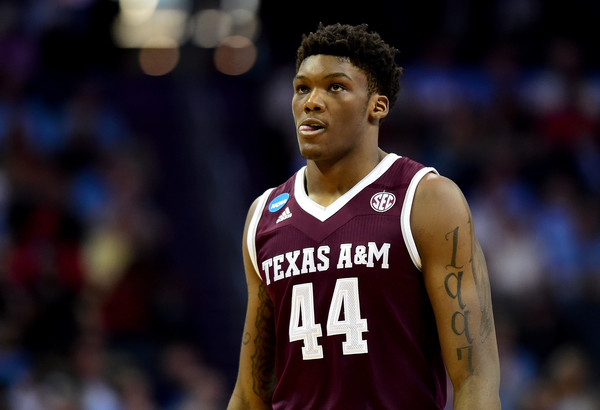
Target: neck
x=327 y=181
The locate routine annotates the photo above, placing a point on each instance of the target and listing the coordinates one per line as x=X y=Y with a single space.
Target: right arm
x=256 y=374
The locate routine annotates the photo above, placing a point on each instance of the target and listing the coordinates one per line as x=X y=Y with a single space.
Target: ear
x=381 y=107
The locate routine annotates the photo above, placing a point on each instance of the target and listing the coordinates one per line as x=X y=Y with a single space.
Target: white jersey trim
x=253 y=225
x=322 y=213
x=409 y=240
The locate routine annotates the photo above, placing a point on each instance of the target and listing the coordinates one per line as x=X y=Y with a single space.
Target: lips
x=311 y=126
x=307 y=128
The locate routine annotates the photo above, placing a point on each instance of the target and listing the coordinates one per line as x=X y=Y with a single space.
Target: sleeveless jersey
x=354 y=326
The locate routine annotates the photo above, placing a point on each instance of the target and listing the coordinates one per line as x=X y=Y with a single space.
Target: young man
x=365 y=279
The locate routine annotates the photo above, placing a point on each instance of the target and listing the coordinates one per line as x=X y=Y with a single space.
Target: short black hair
x=366 y=50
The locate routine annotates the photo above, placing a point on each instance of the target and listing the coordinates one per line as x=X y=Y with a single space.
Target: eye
x=336 y=87
x=302 y=89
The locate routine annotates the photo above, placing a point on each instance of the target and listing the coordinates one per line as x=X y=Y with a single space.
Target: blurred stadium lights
x=135 y=27
x=137 y=11
x=210 y=27
x=159 y=57
x=152 y=25
x=249 y=5
x=235 y=55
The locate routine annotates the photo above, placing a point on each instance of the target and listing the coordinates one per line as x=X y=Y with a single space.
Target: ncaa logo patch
x=383 y=201
x=278 y=202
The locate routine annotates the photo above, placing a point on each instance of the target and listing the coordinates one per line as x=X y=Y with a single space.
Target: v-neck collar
x=322 y=213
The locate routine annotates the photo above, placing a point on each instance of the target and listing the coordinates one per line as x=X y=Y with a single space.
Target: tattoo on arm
x=452 y=285
x=455 y=294
x=454 y=234
x=460 y=318
x=463 y=319
x=468 y=351
x=264 y=356
x=483 y=290
x=482 y=283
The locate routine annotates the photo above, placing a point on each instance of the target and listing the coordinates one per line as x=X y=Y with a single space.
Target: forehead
x=321 y=65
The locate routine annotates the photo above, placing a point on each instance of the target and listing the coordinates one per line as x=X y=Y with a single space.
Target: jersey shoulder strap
x=253 y=225
x=409 y=240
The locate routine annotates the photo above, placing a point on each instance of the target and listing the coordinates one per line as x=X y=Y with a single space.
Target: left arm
x=457 y=282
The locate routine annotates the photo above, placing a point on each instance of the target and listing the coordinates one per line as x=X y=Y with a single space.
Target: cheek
x=297 y=108
x=352 y=116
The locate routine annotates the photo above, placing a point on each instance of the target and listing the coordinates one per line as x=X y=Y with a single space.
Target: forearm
x=477 y=392
x=256 y=377
x=239 y=401
x=236 y=402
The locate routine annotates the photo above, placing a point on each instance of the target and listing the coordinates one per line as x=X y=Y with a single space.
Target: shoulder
x=248 y=242
x=257 y=204
x=435 y=189
x=254 y=212
x=272 y=200
x=439 y=208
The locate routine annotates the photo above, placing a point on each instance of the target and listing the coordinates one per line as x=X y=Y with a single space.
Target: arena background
x=134 y=134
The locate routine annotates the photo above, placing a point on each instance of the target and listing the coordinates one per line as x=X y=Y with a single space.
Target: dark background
x=123 y=195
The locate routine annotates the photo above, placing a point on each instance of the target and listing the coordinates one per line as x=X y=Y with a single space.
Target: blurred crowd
x=92 y=315
x=109 y=300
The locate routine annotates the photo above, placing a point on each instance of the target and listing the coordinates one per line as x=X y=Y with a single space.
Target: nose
x=314 y=102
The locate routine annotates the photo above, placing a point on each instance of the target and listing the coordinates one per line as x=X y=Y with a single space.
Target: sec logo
x=383 y=201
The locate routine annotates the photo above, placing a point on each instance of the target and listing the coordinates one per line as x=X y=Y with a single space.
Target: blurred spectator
x=517 y=366
x=136 y=390
x=502 y=216
x=90 y=366
x=191 y=383
x=565 y=386
x=569 y=374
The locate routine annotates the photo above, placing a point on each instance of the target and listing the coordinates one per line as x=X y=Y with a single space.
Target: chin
x=310 y=156
x=310 y=152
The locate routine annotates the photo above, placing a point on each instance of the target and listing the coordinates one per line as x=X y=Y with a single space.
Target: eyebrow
x=332 y=75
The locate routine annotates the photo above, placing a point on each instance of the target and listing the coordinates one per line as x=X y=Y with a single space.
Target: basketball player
x=365 y=279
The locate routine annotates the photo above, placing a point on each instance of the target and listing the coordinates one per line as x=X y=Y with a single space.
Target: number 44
x=302 y=319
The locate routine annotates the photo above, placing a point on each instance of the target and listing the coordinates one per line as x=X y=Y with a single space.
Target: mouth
x=311 y=127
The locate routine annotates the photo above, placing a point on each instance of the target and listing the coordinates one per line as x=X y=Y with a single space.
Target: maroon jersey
x=354 y=326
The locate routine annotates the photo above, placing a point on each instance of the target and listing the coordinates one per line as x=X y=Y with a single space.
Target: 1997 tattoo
x=453 y=286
